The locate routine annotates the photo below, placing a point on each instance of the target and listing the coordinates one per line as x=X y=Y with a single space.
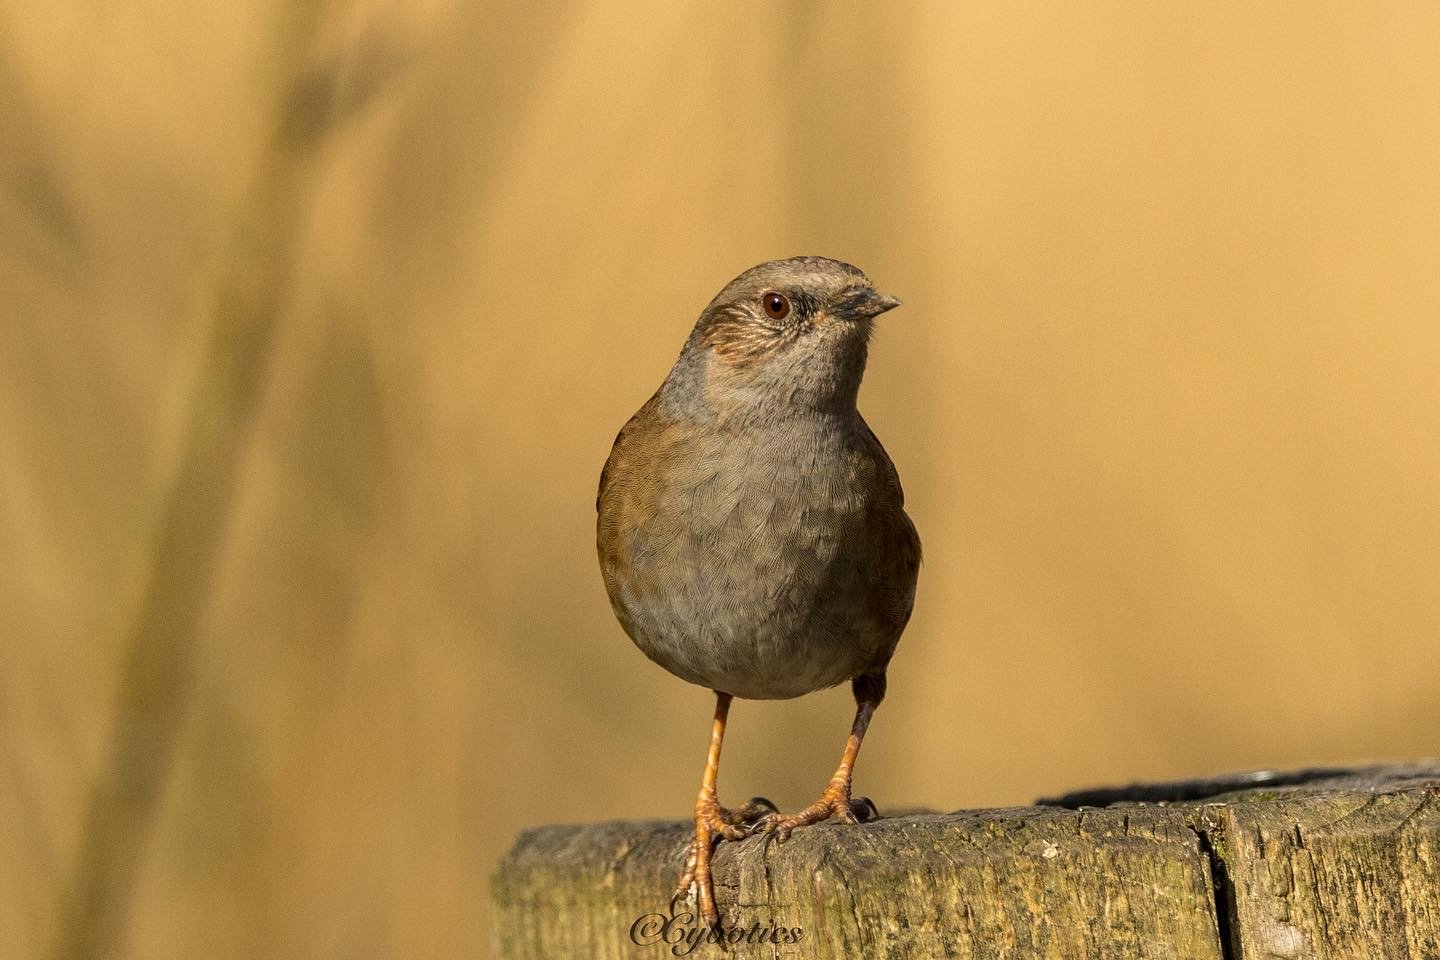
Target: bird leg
x=836 y=801
x=714 y=823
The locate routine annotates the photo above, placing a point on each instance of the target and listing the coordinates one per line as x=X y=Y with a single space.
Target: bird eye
x=777 y=307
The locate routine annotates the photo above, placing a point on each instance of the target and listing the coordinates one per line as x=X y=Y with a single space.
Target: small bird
x=752 y=531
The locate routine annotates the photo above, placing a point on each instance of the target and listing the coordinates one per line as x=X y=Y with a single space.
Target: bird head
x=787 y=332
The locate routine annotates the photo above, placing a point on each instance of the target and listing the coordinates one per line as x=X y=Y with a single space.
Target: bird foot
x=714 y=823
x=834 y=802
x=755 y=810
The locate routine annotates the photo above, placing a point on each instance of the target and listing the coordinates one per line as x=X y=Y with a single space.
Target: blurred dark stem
x=240 y=305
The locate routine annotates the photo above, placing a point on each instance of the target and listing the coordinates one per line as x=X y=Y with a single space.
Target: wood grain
x=1322 y=864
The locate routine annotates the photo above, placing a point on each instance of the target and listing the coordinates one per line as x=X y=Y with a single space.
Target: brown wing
x=629 y=498
x=897 y=545
x=618 y=452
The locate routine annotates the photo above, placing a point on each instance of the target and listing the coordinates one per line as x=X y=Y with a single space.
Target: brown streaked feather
x=739 y=339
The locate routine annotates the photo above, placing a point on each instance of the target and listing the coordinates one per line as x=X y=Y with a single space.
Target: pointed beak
x=864 y=303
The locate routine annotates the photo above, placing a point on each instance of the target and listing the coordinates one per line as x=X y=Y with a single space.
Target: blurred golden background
x=318 y=324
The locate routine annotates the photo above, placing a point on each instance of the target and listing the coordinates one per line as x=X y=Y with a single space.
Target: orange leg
x=714 y=822
x=835 y=801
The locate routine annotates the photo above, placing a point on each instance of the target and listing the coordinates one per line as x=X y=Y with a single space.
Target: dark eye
x=777 y=307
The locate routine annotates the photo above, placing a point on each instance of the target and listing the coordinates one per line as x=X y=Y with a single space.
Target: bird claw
x=861 y=810
x=695 y=889
x=688 y=895
x=714 y=823
x=756 y=809
x=686 y=891
x=684 y=896
x=752 y=817
x=856 y=810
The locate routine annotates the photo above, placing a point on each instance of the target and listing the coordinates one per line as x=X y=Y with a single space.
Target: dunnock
x=752 y=532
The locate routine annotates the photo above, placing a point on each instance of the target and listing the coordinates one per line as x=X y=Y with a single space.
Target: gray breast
x=753 y=573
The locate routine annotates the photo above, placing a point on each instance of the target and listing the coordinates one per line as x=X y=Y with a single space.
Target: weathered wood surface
x=1316 y=864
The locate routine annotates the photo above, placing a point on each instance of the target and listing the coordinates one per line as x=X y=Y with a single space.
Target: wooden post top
x=1316 y=863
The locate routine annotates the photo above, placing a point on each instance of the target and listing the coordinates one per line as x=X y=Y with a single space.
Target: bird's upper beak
x=867 y=302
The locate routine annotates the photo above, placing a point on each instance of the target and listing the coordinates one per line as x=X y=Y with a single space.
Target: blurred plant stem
x=240 y=302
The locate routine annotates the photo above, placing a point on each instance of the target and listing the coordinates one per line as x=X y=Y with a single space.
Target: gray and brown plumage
x=752 y=531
